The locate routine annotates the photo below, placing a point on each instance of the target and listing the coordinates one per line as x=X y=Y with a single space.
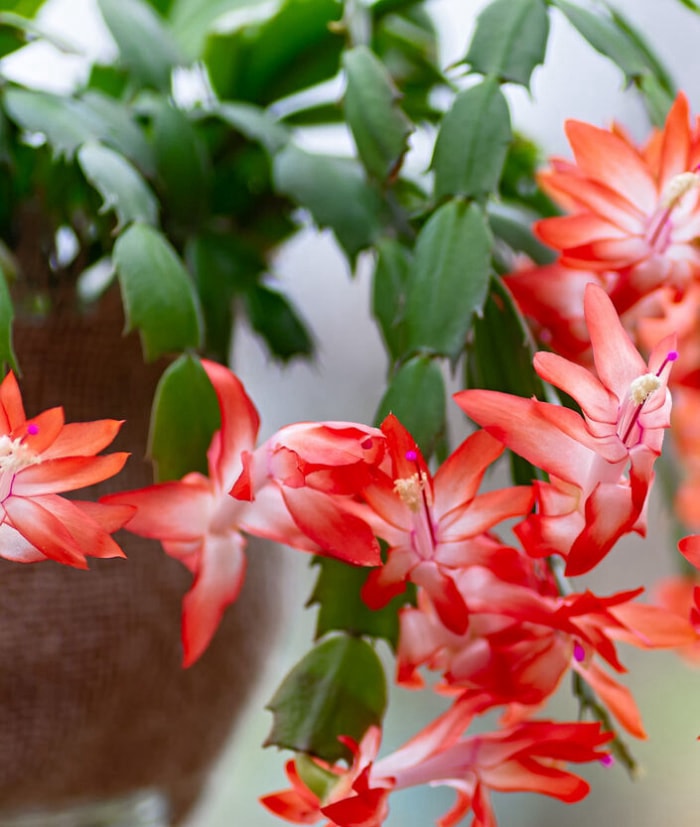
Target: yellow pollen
x=643 y=387
x=677 y=187
x=15 y=455
x=410 y=490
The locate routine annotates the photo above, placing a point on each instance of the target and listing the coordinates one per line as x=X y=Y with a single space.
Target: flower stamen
x=643 y=387
x=410 y=490
x=676 y=188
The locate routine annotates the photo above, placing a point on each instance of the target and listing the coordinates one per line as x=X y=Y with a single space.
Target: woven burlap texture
x=93 y=701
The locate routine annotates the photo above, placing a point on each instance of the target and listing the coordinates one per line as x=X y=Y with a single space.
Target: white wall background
x=346 y=381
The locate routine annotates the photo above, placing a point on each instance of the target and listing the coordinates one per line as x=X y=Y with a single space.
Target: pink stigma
x=32 y=429
x=411 y=456
x=579 y=653
x=672 y=356
x=607 y=760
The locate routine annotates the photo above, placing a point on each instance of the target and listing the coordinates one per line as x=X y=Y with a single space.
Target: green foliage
x=255 y=123
x=158 y=296
x=515 y=230
x=192 y=20
x=340 y=607
x=501 y=351
x=7 y=354
x=145 y=45
x=378 y=125
x=275 y=319
x=282 y=53
x=183 y=166
x=472 y=143
x=614 y=36
x=510 y=40
x=405 y=39
x=335 y=192
x=518 y=184
x=338 y=688
x=66 y=122
x=185 y=417
x=121 y=186
x=391 y=275
x=223 y=265
x=449 y=278
x=116 y=125
x=416 y=395
x=70 y=122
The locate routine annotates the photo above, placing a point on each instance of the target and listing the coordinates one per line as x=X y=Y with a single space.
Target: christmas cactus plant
x=564 y=294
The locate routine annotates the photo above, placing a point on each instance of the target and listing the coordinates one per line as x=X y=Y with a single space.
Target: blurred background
x=346 y=380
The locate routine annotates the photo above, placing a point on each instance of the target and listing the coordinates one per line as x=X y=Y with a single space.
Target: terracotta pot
x=93 y=700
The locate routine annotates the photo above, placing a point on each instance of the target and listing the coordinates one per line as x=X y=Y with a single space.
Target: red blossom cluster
x=495 y=614
x=495 y=619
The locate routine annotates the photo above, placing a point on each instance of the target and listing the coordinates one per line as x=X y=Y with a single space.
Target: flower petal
x=606 y=157
x=66 y=474
x=83 y=439
x=44 y=531
x=169 y=510
x=340 y=535
x=239 y=423
x=217 y=584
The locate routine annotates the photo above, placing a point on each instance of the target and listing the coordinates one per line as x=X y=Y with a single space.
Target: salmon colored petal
x=217 y=584
x=46 y=428
x=15 y=547
x=66 y=474
x=289 y=805
x=339 y=534
x=83 y=439
x=366 y=810
x=456 y=813
x=606 y=157
x=239 y=422
x=169 y=510
x=617 y=360
x=616 y=253
x=485 y=511
x=388 y=581
x=573 y=231
x=458 y=478
x=11 y=407
x=596 y=197
x=689 y=547
x=406 y=456
x=44 y=531
x=520 y=424
x=652 y=627
x=675 y=147
x=90 y=536
x=616 y=698
x=110 y=517
x=270 y=518
x=448 y=602
x=610 y=513
x=526 y=775
x=595 y=399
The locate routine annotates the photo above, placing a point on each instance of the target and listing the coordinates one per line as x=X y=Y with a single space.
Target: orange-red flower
x=525 y=758
x=202 y=525
x=429 y=522
x=600 y=464
x=632 y=211
x=41 y=458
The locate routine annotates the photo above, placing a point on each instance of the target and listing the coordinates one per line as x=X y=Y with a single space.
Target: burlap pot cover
x=93 y=700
